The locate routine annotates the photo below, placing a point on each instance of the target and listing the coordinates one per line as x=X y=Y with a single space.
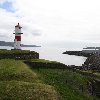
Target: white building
x=17 y=40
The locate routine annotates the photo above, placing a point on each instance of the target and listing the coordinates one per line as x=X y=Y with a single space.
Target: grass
x=16 y=70
x=43 y=60
x=92 y=73
x=70 y=85
x=13 y=51
x=18 y=90
x=19 y=82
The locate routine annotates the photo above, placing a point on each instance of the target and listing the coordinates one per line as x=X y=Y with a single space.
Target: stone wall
x=94 y=87
x=46 y=65
x=19 y=55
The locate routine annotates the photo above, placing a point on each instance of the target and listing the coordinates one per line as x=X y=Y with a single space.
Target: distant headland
x=11 y=44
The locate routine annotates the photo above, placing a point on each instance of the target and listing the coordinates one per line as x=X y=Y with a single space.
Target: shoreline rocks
x=78 y=53
x=92 y=63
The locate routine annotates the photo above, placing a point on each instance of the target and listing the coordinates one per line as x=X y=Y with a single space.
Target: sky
x=58 y=23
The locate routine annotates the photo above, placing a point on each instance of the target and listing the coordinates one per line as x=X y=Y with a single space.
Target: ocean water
x=55 y=54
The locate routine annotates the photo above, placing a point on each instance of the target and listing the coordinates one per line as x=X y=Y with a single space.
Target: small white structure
x=94 y=50
x=17 y=40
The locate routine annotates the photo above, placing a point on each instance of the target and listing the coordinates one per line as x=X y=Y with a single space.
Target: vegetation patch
x=18 y=54
x=19 y=90
x=13 y=51
x=16 y=70
x=72 y=84
x=19 y=82
x=43 y=61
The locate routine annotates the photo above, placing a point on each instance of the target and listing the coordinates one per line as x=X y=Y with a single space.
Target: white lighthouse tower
x=17 y=40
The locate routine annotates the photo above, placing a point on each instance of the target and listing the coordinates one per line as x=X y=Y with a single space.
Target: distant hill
x=11 y=44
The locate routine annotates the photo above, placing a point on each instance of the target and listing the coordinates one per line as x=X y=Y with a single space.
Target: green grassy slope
x=13 y=51
x=19 y=82
x=70 y=85
x=16 y=70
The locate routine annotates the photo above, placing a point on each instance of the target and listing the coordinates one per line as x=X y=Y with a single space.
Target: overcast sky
x=64 y=23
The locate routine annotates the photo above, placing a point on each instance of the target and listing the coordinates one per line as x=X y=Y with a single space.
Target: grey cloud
x=36 y=33
x=4 y=36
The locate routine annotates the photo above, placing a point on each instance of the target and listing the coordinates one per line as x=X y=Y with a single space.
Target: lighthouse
x=17 y=40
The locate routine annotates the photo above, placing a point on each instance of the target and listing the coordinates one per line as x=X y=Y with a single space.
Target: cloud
x=7 y=6
x=36 y=33
x=8 y=20
x=2 y=1
x=4 y=36
x=47 y=21
x=62 y=18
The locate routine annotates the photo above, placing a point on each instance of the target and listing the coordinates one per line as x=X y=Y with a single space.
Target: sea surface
x=54 y=54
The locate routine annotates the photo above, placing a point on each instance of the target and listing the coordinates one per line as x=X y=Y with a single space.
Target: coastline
x=78 y=53
x=51 y=73
x=55 y=54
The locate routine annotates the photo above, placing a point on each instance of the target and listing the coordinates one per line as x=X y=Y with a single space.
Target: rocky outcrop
x=78 y=53
x=94 y=87
x=92 y=63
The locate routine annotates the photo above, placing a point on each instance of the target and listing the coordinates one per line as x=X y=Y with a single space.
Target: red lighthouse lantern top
x=18 y=26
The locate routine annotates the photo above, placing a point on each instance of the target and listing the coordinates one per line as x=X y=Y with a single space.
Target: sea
x=55 y=54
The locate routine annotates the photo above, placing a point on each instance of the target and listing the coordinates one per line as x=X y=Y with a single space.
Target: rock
x=92 y=62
